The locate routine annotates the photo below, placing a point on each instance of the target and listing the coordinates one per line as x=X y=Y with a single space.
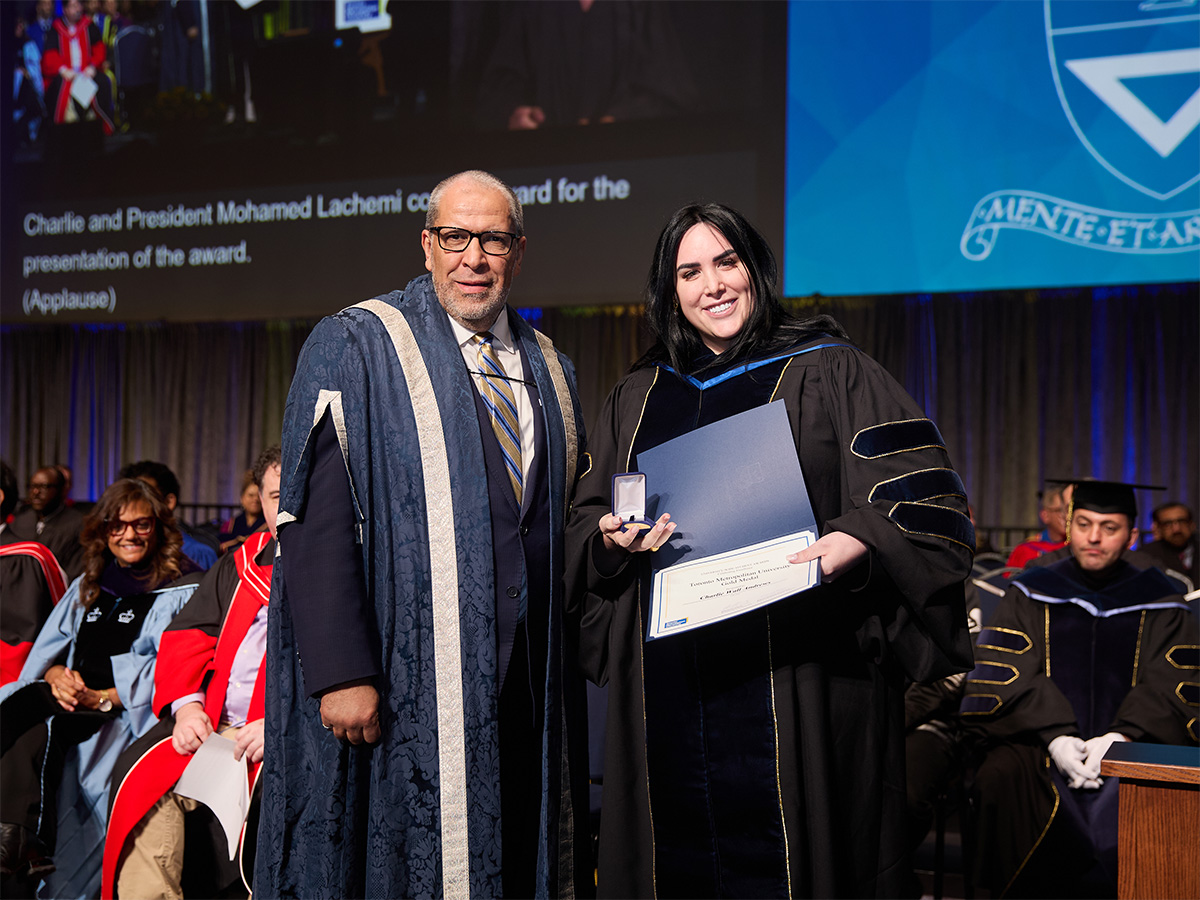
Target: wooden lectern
x=1158 y=842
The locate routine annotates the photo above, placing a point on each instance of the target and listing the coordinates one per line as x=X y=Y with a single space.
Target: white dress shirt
x=506 y=351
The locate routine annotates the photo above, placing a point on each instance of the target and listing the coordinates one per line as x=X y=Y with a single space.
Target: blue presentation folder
x=728 y=485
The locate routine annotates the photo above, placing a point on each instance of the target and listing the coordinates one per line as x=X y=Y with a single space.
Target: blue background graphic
x=901 y=117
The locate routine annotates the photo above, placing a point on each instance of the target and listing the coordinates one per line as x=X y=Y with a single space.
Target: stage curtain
x=203 y=398
x=1023 y=385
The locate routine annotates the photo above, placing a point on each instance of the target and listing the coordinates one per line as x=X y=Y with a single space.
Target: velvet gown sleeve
x=187 y=646
x=1009 y=693
x=322 y=565
x=598 y=581
x=901 y=498
x=1161 y=705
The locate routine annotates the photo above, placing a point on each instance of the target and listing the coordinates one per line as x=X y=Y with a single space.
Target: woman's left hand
x=839 y=553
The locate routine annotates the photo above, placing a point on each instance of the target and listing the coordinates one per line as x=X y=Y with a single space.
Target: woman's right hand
x=635 y=540
x=66 y=686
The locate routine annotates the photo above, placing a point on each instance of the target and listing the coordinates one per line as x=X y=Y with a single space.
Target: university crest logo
x=1127 y=74
x=1128 y=77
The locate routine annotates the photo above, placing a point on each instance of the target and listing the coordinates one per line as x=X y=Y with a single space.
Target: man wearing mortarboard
x=1078 y=654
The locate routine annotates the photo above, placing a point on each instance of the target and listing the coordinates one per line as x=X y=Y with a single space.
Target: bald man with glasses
x=425 y=730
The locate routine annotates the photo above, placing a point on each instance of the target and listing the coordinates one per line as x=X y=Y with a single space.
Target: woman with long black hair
x=762 y=756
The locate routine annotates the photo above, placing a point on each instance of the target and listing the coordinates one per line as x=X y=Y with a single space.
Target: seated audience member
x=197 y=546
x=932 y=739
x=50 y=521
x=68 y=480
x=109 y=19
x=1174 y=546
x=933 y=734
x=183 y=45
x=248 y=521
x=84 y=694
x=73 y=64
x=209 y=679
x=1053 y=514
x=28 y=91
x=31 y=582
x=42 y=24
x=1078 y=654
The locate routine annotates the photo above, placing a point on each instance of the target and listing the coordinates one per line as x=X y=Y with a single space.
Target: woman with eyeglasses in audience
x=84 y=693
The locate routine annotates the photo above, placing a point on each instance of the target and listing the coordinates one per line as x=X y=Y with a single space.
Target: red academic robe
x=92 y=52
x=187 y=657
x=27 y=598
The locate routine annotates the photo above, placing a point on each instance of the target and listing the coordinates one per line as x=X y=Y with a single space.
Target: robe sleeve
x=1157 y=708
x=598 y=580
x=55 y=642
x=320 y=555
x=190 y=641
x=133 y=672
x=99 y=50
x=52 y=56
x=924 y=702
x=906 y=503
x=28 y=600
x=507 y=74
x=1009 y=695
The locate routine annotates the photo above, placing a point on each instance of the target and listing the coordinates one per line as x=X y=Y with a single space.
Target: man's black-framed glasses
x=455 y=240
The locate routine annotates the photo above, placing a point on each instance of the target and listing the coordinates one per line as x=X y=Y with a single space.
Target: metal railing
x=204 y=513
x=1002 y=538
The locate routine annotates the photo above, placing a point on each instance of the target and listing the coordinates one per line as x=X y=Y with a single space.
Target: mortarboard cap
x=1105 y=496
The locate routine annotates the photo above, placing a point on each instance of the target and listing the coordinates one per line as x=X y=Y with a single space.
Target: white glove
x=1070 y=755
x=1096 y=748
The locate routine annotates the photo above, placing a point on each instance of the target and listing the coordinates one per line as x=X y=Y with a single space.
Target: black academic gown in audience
x=1069 y=653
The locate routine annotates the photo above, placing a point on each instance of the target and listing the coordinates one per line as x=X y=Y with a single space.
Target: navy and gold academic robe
x=419 y=813
x=763 y=756
x=1067 y=654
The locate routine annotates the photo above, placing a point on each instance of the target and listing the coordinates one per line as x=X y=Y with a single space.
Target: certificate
x=83 y=89
x=735 y=490
x=221 y=783
x=692 y=594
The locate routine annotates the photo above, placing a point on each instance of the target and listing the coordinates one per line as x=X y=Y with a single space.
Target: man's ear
x=427 y=248
x=1133 y=537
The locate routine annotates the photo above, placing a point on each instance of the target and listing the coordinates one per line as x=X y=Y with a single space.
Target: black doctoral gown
x=1064 y=654
x=764 y=755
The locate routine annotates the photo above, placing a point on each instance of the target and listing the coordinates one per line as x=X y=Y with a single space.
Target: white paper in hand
x=83 y=89
x=221 y=783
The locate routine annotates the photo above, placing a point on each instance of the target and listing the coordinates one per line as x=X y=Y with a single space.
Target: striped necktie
x=502 y=404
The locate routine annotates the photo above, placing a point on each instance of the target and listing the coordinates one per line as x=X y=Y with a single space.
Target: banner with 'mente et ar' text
x=961 y=146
